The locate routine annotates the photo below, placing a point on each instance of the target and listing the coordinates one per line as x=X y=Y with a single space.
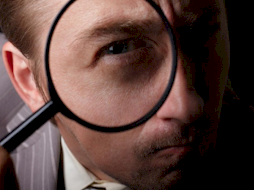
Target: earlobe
x=20 y=73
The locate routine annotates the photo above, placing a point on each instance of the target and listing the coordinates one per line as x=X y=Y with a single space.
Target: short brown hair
x=22 y=21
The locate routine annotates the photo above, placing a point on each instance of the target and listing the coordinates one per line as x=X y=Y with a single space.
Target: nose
x=183 y=102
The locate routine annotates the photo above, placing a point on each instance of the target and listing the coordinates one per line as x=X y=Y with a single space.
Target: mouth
x=174 y=145
x=186 y=138
x=177 y=150
x=167 y=150
x=169 y=158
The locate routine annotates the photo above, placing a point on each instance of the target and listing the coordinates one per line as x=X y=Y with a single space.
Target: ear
x=21 y=76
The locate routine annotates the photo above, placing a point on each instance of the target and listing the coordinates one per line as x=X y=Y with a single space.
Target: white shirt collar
x=76 y=177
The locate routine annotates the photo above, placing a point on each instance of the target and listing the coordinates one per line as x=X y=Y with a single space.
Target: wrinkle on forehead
x=96 y=14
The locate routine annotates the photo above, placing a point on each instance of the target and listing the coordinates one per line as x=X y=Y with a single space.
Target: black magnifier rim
x=64 y=109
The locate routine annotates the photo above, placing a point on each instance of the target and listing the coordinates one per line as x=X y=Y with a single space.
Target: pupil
x=118 y=48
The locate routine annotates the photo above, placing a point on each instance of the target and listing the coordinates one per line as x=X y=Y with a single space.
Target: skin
x=7 y=171
x=175 y=143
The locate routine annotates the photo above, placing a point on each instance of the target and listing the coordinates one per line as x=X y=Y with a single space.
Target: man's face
x=157 y=153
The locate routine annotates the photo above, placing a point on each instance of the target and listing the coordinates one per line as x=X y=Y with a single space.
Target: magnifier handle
x=28 y=127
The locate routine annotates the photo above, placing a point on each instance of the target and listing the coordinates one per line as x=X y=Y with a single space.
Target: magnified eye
x=125 y=46
x=119 y=48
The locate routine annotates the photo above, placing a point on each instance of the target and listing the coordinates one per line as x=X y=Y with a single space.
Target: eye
x=119 y=48
x=124 y=46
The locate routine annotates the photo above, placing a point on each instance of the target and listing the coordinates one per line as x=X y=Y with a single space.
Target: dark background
x=240 y=21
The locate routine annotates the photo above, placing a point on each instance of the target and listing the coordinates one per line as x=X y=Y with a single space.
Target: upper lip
x=172 y=146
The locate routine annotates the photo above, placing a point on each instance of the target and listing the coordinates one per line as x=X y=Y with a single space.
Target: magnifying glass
x=110 y=68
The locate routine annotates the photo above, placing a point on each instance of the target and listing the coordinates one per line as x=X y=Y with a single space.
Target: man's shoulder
x=37 y=159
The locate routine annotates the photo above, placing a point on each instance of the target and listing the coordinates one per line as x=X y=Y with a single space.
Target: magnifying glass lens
x=110 y=61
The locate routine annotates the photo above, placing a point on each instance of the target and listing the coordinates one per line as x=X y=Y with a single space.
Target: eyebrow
x=133 y=27
x=130 y=27
x=208 y=15
x=106 y=27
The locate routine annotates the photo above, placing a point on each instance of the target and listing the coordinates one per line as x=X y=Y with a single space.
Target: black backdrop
x=240 y=20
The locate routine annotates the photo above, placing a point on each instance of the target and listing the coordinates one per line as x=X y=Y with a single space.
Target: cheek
x=209 y=65
x=111 y=153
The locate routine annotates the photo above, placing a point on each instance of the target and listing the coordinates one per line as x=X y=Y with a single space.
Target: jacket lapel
x=37 y=159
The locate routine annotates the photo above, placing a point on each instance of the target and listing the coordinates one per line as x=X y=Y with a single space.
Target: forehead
x=110 y=7
x=107 y=10
x=88 y=14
